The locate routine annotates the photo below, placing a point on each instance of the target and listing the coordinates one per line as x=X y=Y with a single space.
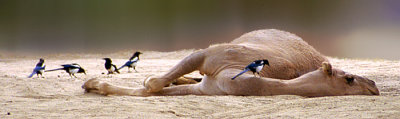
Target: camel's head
x=338 y=82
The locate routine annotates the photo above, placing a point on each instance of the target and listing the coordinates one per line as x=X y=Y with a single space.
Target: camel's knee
x=154 y=84
x=95 y=86
x=91 y=84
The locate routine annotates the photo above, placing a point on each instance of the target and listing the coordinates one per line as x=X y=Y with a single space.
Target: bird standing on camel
x=255 y=67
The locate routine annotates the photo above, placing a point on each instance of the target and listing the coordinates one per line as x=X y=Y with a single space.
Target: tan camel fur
x=289 y=56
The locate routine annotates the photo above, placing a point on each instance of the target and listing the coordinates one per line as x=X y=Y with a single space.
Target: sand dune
x=59 y=96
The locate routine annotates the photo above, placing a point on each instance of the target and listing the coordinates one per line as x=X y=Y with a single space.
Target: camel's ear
x=327 y=67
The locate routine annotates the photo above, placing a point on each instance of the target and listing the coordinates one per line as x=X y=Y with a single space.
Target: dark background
x=341 y=28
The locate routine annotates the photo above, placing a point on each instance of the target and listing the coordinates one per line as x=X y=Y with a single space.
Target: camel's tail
x=244 y=71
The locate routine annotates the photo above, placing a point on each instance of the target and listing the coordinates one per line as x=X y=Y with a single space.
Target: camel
x=296 y=68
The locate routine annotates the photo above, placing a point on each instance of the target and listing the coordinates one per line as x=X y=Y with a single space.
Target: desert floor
x=59 y=96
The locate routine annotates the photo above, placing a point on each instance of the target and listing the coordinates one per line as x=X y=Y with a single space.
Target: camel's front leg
x=187 y=65
x=104 y=88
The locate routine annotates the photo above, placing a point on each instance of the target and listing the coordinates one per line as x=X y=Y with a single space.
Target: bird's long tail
x=116 y=70
x=244 y=71
x=54 y=69
x=33 y=73
x=121 y=67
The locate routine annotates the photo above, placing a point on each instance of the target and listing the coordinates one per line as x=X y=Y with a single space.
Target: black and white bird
x=255 y=67
x=40 y=66
x=111 y=68
x=132 y=62
x=71 y=69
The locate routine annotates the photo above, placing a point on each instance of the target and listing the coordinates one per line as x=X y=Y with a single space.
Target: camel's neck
x=304 y=86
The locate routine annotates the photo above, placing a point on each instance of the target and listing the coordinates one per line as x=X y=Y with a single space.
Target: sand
x=60 y=96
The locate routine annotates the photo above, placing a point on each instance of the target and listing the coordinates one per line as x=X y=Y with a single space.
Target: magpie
x=71 y=69
x=132 y=62
x=111 y=68
x=255 y=67
x=40 y=66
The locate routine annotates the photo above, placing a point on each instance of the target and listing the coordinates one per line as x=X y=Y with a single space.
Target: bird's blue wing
x=37 y=68
x=69 y=66
x=253 y=66
x=128 y=63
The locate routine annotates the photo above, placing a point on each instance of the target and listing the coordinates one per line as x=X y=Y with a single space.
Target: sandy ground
x=59 y=96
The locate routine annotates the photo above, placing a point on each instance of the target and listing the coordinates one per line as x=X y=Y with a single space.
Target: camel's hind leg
x=104 y=88
x=187 y=65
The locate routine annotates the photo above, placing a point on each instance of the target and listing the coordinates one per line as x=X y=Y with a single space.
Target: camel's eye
x=349 y=80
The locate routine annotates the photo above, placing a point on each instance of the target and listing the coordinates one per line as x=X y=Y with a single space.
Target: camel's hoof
x=153 y=84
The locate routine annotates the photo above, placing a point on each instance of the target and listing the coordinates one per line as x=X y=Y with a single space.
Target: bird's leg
x=108 y=74
x=135 y=69
x=129 y=70
x=74 y=75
